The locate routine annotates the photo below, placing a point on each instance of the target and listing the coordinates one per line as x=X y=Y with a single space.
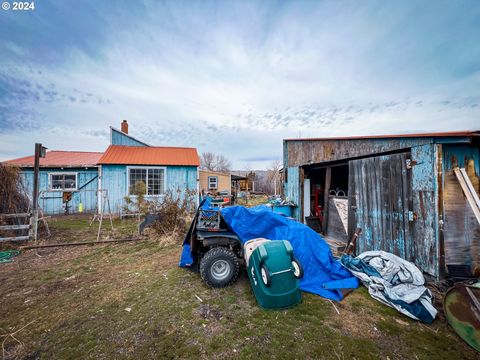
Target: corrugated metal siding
x=60 y=159
x=150 y=155
x=114 y=180
x=118 y=138
x=51 y=201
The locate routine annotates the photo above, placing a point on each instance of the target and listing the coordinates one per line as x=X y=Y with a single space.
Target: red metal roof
x=151 y=155
x=435 y=134
x=55 y=158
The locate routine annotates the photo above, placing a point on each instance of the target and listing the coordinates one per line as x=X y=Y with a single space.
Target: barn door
x=379 y=202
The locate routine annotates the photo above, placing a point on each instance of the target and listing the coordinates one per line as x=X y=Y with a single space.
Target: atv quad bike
x=217 y=251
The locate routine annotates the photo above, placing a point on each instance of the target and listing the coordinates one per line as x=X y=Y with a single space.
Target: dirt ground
x=131 y=300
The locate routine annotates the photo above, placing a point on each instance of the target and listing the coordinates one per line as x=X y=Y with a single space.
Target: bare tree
x=214 y=162
x=223 y=164
x=272 y=182
x=207 y=161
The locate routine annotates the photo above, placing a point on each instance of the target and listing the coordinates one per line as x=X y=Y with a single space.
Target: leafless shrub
x=13 y=198
x=175 y=210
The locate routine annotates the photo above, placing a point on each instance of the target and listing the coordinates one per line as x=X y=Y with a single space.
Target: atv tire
x=219 y=267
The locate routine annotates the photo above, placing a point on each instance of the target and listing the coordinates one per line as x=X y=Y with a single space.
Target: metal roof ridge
x=158 y=147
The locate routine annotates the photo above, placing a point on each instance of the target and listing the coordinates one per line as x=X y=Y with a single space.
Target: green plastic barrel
x=274 y=274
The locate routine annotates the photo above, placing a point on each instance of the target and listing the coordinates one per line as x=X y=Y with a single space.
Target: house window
x=152 y=179
x=212 y=182
x=63 y=181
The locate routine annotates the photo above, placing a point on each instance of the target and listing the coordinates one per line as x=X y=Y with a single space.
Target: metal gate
x=379 y=203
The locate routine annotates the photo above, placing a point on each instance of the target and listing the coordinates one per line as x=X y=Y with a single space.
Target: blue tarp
x=323 y=274
x=319 y=265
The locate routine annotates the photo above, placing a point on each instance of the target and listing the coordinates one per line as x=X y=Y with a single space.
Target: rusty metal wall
x=461 y=230
x=303 y=152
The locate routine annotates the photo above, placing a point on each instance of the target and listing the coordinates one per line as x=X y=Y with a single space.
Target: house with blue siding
x=75 y=181
x=403 y=191
x=68 y=180
x=160 y=169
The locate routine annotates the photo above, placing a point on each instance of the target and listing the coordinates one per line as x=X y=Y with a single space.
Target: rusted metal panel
x=450 y=134
x=461 y=156
x=307 y=152
x=461 y=230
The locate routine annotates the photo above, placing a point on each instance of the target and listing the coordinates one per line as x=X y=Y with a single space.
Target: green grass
x=78 y=298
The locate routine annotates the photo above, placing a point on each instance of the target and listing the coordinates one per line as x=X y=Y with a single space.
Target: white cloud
x=239 y=79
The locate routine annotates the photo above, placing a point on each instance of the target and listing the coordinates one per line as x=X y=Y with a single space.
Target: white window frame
x=216 y=183
x=62 y=173
x=164 y=168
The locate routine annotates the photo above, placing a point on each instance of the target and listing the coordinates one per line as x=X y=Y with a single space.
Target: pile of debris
x=13 y=198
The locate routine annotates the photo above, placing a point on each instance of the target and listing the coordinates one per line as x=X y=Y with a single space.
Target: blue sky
x=235 y=77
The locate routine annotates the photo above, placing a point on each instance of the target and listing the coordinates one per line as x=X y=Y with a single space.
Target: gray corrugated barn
x=402 y=191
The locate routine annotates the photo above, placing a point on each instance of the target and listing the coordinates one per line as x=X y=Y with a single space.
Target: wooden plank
x=381 y=191
x=438 y=262
x=400 y=239
x=362 y=208
x=386 y=206
x=14 y=227
x=368 y=244
x=328 y=178
x=15 y=238
x=372 y=203
x=466 y=185
x=77 y=243
x=14 y=215
x=352 y=203
x=407 y=207
x=377 y=192
x=470 y=187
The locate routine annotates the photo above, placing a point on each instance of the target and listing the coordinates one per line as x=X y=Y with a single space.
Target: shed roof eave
x=451 y=134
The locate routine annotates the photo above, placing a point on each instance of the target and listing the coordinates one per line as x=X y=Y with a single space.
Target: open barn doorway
x=325 y=200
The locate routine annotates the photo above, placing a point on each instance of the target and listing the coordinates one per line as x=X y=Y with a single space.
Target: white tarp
x=394 y=282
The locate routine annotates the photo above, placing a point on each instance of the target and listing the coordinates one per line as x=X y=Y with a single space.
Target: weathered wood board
x=379 y=193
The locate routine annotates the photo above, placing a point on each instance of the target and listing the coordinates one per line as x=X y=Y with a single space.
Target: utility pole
x=40 y=151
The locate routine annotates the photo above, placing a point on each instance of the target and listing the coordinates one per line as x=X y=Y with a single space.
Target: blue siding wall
x=425 y=205
x=461 y=155
x=292 y=189
x=114 y=179
x=119 y=138
x=51 y=201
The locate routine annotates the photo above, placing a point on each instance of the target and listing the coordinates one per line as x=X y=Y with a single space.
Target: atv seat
x=204 y=234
